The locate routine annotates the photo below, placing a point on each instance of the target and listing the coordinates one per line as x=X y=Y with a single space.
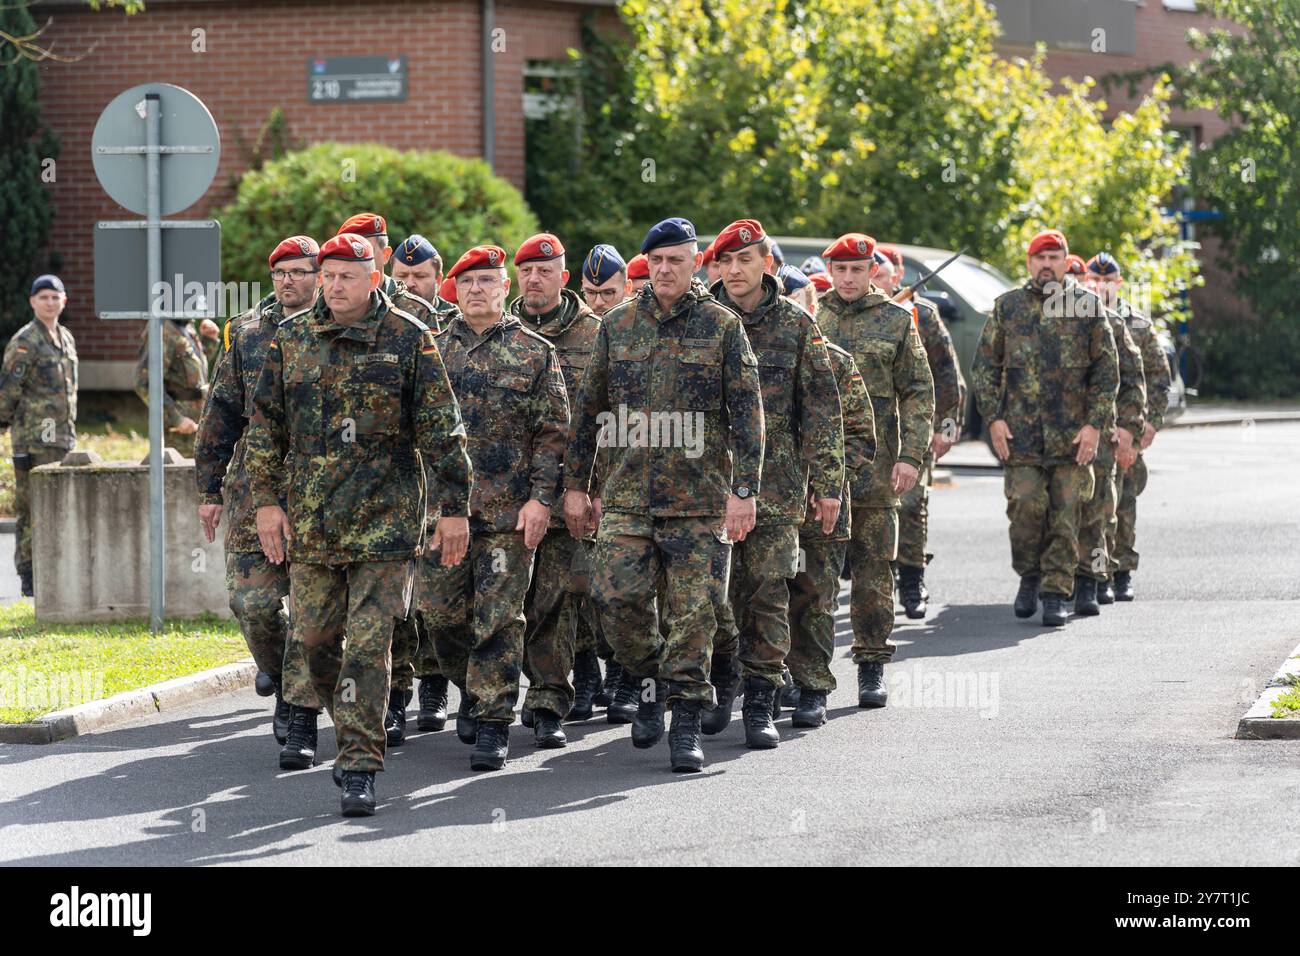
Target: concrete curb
x=1234 y=418
x=1258 y=722
x=131 y=705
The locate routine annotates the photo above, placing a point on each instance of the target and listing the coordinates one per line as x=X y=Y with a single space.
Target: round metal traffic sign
x=183 y=122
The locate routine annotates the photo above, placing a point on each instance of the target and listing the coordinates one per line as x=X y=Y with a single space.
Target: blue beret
x=413 y=250
x=777 y=255
x=602 y=264
x=1103 y=264
x=813 y=264
x=791 y=279
x=670 y=232
x=46 y=282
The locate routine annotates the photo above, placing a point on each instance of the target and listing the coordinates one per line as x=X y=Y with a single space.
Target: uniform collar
x=554 y=322
x=364 y=331
x=771 y=293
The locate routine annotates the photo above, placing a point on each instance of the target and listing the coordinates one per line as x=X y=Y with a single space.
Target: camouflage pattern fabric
x=726 y=634
x=257 y=592
x=475 y=615
x=38 y=389
x=633 y=553
x=360 y=600
x=1096 y=516
x=945 y=369
x=24 y=462
x=551 y=612
x=406 y=648
x=412 y=304
x=872 y=547
x=914 y=518
x=1043 y=506
x=185 y=380
x=814 y=601
x=761 y=567
x=1122 y=538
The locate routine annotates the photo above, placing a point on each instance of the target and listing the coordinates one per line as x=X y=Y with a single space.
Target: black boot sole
x=807 y=721
x=914 y=614
x=486 y=762
x=358 y=808
x=1131 y=597
x=1087 y=611
x=755 y=743
x=577 y=714
x=430 y=724
x=619 y=715
x=394 y=739
x=868 y=702
x=688 y=765
x=551 y=743
x=297 y=761
x=1022 y=613
x=644 y=743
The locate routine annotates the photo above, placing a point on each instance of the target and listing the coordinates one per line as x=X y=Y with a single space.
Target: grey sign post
x=128 y=157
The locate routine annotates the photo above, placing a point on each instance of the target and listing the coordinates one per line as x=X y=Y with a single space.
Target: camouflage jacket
x=941 y=355
x=859 y=442
x=882 y=338
x=511 y=392
x=185 y=372
x=804 y=442
x=357 y=409
x=219 y=451
x=1155 y=367
x=571 y=327
x=38 y=388
x=444 y=310
x=680 y=393
x=1045 y=373
x=412 y=304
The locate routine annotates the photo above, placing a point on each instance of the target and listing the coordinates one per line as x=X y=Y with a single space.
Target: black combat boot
x=684 y=737
x=586 y=684
x=648 y=724
x=1105 y=592
x=1027 y=596
x=1085 y=596
x=871 y=684
x=1054 y=610
x=623 y=707
x=811 y=711
x=725 y=676
x=263 y=684
x=613 y=674
x=395 y=718
x=491 y=747
x=1124 y=586
x=432 y=715
x=547 y=730
x=466 y=726
x=911 y=591
x=299 y=751
x=789 y=696
x=280 y=717
x=526 y=716
x=760 y=732
x=25 y=583
x=358 y=793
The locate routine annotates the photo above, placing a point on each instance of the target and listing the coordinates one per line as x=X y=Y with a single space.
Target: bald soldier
x=883 y=340
x=1045 y=381
x=673 y=394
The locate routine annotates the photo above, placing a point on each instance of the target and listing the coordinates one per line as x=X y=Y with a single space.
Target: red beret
x=480 y=257
x=821 y=281
x=1047 y=241
x=539 y=248
x=639 y=267
x=707 y=254
x=741 y=233
x=448 y=290
x=347 y=246
x=295 y=247
x=850 y=247
x=893 y=255
x=1074 y=265
x=365 y=224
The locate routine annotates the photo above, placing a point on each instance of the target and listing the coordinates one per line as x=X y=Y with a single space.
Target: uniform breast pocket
x=877 y=366
x=629 y=374
x=372 y=398
x=508 y=405
x=699 y=379
x=776 y=369
x=302 y=399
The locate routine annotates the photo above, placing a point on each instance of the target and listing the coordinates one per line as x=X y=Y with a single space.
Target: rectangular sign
x=191 y=272
x=356 y=79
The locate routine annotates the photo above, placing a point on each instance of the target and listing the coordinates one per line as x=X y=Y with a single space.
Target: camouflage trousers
x=23 y=464
x=872 y=547
x=640 y=561
x=1043 y=503
x=552 y=610
x=726 y=635
x=814 y=599
x=761 y=566
x=351 y=677
x=413 y=653
x=1096 y=520
x=257 y=592
x=914 y=518
x=475 y=615
x=1122 y=535
x=590 y=635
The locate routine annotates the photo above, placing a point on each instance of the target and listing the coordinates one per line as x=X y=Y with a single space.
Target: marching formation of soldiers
x=427 y=475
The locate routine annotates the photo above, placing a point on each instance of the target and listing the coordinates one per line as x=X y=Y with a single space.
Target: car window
x=979 y=284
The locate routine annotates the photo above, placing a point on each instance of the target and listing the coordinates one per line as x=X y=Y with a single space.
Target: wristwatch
x=543 y=500
x=743 y=491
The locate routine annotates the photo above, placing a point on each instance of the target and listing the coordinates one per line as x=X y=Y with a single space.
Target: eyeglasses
x=297 y=275
x=479 y=278
x=603 y=294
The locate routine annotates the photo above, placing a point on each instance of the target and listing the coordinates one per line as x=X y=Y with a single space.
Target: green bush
x=455 y=202
x=1251 y=360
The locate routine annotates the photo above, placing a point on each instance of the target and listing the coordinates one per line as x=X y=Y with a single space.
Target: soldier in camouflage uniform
x=949 y=416
x=185 y=382
x=257 y=587
x=882 y=338
x=673 y=394
x=355 y=395
x=814 y=591
x=417 y=266
x=1118 y=445
x=558 y=596
x=1045 y=382
x=1104 y=273
x=803 y=456
x=510 y=386
x=38 y=400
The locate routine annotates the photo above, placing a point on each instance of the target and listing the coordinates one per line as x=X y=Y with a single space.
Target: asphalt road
x=1107 y=742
